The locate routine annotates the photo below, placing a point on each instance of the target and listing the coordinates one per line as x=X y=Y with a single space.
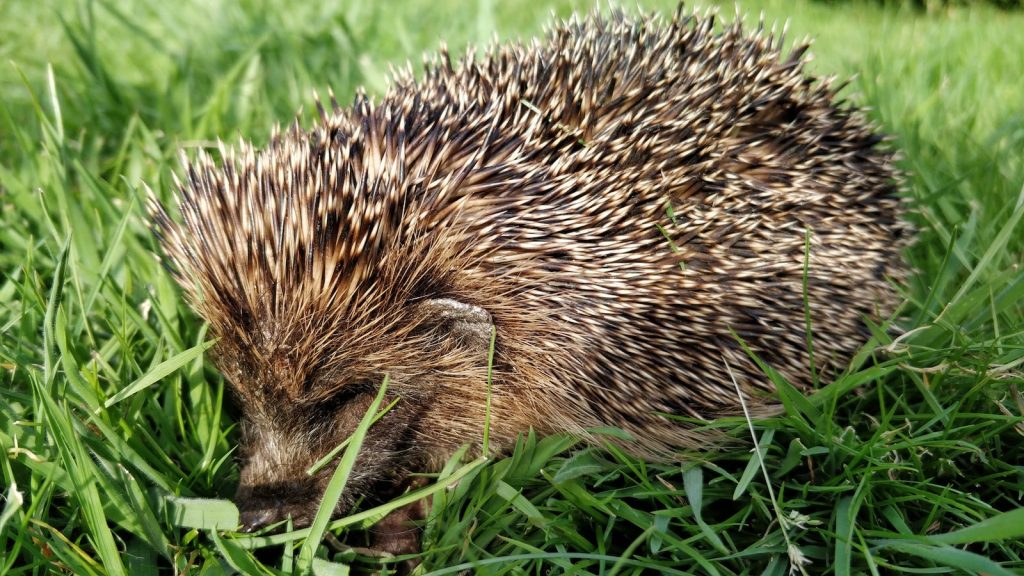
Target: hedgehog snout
x=273 y=483
x=265 y=505
x=279 y=450
x=273 y=488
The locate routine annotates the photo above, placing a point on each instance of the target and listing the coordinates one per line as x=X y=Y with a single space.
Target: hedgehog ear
x=469 y=323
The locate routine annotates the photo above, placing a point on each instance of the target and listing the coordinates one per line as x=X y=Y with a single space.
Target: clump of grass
x=119 y=440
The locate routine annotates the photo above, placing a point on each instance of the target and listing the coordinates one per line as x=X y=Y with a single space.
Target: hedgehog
x=612 y=226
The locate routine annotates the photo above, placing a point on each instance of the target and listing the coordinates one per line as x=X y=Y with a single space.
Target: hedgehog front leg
x=399 y=533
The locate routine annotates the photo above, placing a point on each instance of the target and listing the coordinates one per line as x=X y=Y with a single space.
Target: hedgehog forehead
x=287 y=231
x=308 y=361
x=261 y=380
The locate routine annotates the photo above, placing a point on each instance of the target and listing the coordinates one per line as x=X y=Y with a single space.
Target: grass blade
x=332 y=494
x=159 y=372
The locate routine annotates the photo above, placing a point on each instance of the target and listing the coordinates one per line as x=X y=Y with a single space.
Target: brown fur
x=531 y=185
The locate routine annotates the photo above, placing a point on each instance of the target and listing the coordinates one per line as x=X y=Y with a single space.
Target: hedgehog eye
x=325 y=410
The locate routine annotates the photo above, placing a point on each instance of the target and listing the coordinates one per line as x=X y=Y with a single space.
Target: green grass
x=117 y=432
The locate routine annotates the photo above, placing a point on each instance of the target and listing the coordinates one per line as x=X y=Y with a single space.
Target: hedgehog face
x=293 y=418
x=280 y=443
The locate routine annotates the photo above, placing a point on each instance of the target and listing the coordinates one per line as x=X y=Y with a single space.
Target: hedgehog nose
x=254 y=519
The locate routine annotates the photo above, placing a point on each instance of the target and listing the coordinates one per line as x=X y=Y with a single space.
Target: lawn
x=118 y=434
